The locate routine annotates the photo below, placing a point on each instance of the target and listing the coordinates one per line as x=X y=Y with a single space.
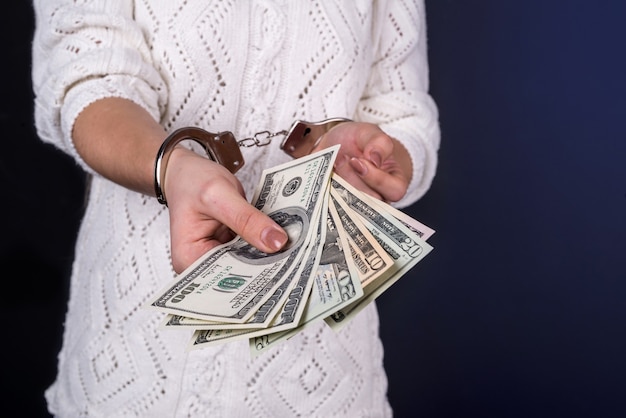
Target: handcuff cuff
x=223 y=148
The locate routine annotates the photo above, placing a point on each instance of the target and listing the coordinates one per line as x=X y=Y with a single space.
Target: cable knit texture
x=242 y=66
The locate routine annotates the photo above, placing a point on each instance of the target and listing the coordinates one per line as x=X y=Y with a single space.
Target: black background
x=519 y=310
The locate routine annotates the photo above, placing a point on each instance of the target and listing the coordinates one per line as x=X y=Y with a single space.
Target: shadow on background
x=519 y=310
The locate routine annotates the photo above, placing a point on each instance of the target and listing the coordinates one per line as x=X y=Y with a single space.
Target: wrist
x=221 y=148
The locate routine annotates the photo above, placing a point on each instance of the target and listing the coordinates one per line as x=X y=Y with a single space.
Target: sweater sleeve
x=83 y=52
x=396 y=96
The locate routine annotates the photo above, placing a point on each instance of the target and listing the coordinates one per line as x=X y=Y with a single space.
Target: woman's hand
x=119 y=139
x=207 y=207
x=370 y=160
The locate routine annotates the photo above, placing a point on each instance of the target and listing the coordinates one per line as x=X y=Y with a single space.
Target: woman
x=113 y=78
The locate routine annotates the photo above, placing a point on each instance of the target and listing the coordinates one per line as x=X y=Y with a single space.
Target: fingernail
x=358 y=166
x=274 y=238
x=376 y=158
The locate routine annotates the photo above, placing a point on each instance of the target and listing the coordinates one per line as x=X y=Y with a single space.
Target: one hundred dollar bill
x=282 y=304
x=261 y=318
x=290 y=311
x=336 y=285
x=206 y=337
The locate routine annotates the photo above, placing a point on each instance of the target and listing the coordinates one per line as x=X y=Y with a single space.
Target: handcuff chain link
x=261 y=139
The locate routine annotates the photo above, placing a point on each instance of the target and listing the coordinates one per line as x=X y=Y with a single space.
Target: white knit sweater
x=242 y=66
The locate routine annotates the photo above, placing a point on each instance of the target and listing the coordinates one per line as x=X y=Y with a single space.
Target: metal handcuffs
x=223 y=148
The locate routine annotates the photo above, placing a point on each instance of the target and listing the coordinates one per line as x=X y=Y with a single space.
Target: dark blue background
x=519 y=310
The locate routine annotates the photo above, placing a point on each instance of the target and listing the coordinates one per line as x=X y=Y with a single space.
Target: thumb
x=255 y=227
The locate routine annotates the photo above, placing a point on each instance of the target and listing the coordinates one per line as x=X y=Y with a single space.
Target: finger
x=390 y=184
x=221 y=213
x=239 y=218
x=255 y=227
x=378 y=148
x=349 y=175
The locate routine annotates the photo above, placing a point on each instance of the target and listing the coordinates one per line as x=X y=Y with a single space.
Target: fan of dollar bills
x=345 y=248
